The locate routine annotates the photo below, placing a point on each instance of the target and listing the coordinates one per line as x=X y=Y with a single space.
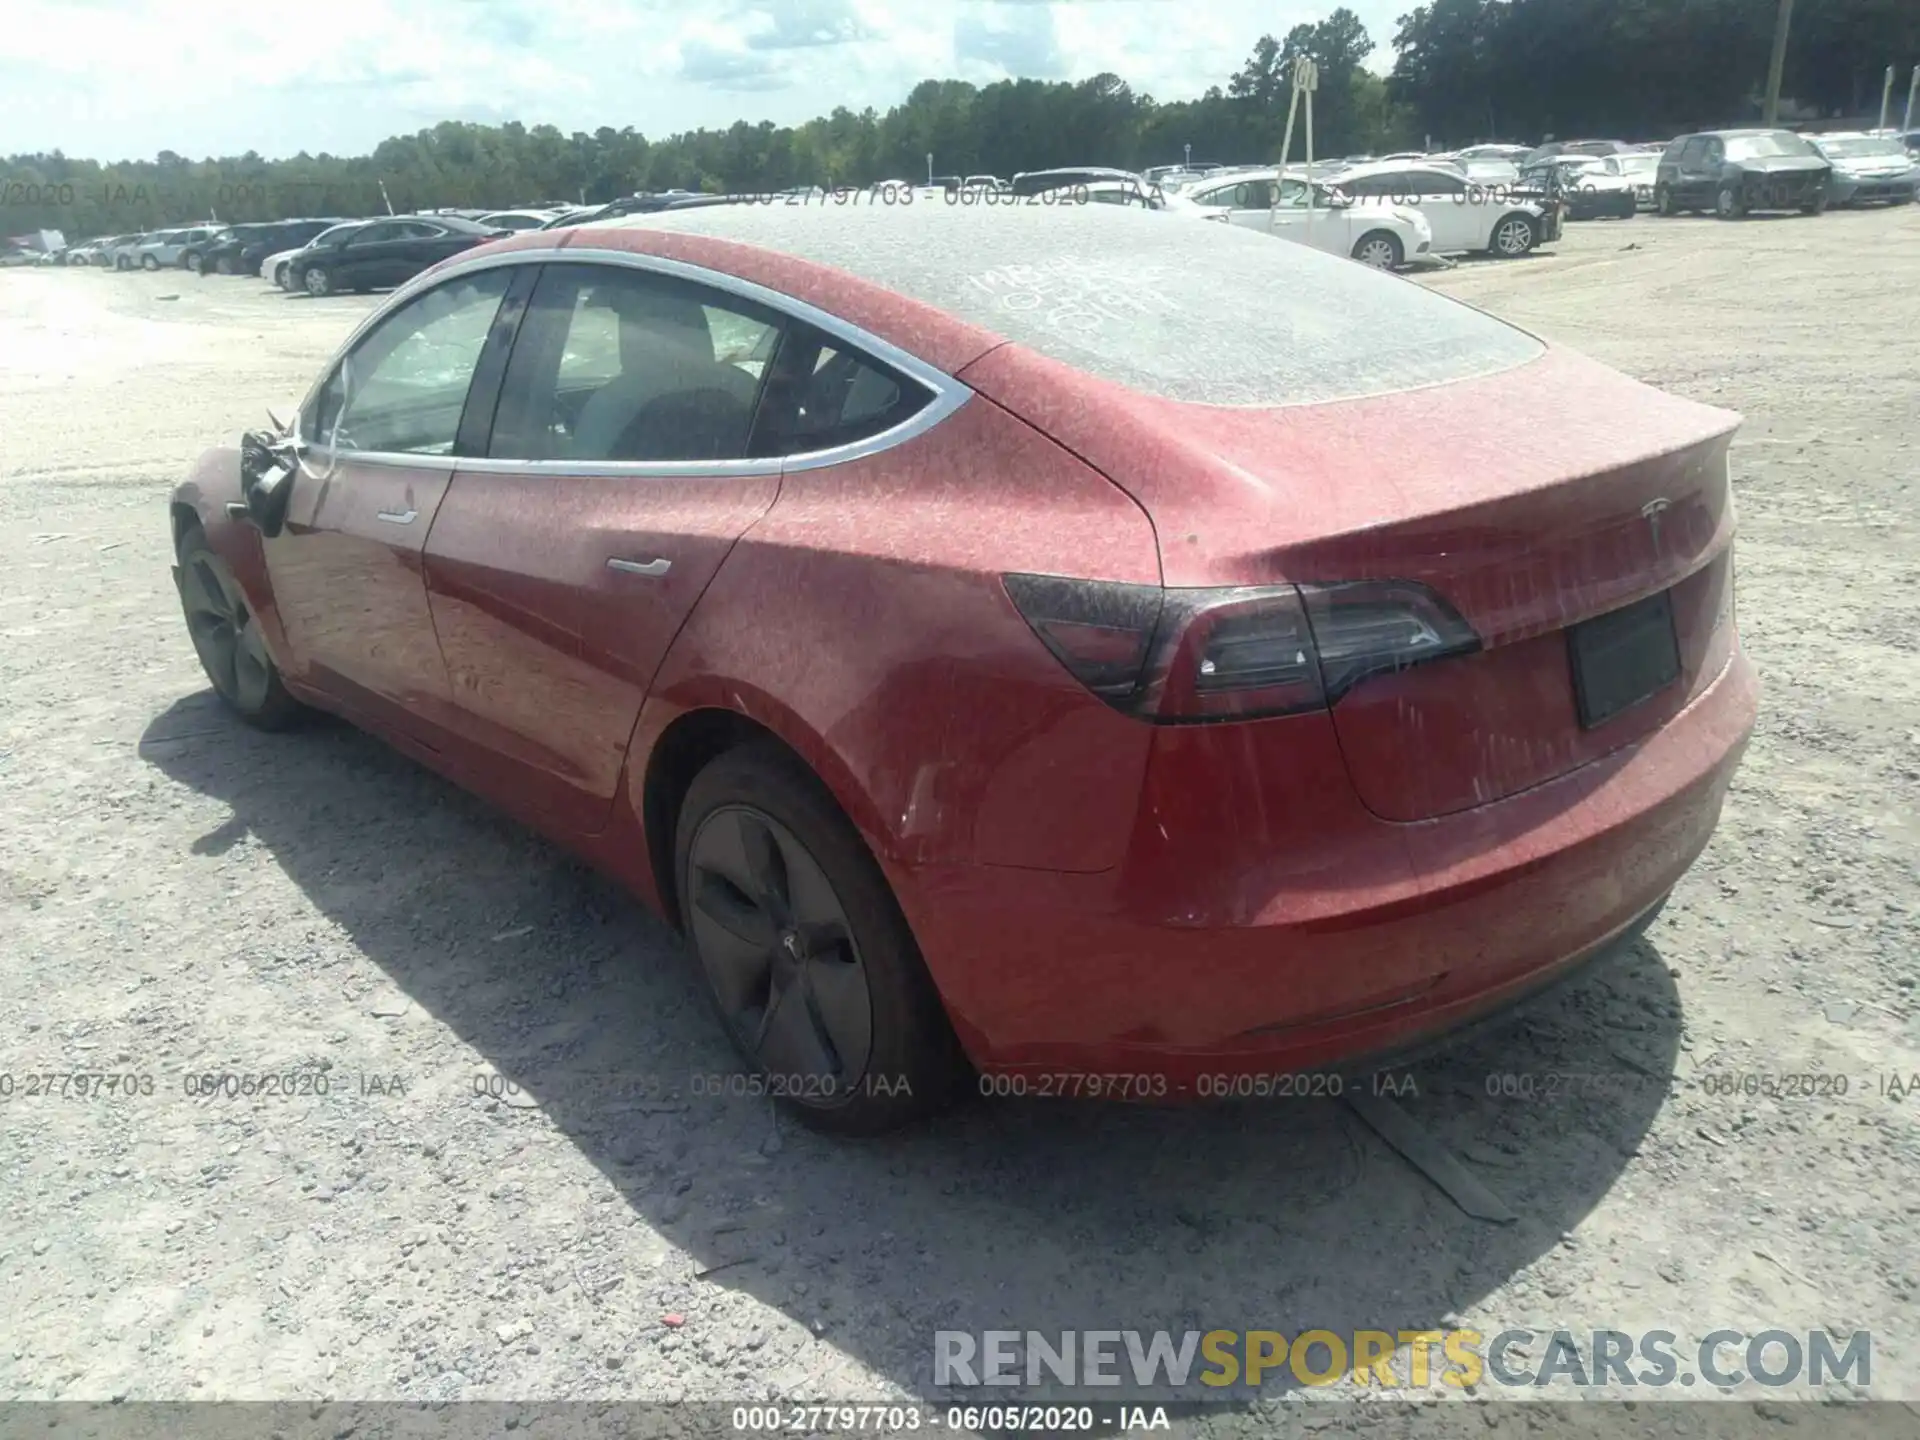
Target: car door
x=615 y=480
x=1691 y=191
x=367 y=257
x=1461 y=216
x=379 y=437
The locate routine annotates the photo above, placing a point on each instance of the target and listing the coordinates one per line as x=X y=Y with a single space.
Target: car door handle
x=640 y=567
x=398 y=517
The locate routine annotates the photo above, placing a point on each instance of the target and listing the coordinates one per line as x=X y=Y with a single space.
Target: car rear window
x=1201 y=313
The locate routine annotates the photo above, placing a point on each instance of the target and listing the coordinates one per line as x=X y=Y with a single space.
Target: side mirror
x=266 y=480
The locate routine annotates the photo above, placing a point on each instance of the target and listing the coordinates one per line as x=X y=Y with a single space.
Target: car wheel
x=280 y=276
x=1381 y=249
x=193 y=262
x=224 y=265
x=1514 y=236
x=318 y=281
x=807 y=958
x=147 y=262
x=1727 y=203
x=1663 y=202
x=226 y=635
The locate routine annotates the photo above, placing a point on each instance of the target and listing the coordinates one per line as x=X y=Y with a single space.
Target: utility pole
x=1913 y=92
x=1886 y=97
x=1776 y=66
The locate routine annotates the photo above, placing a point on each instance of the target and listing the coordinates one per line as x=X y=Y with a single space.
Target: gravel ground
x=179 y=895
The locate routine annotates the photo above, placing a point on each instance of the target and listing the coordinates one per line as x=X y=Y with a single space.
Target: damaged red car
x=1042 y=644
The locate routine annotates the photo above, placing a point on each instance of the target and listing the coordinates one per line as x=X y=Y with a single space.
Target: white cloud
x=121 y=79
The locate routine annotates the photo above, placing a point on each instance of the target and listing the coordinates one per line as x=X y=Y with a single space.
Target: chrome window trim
x=948 y=393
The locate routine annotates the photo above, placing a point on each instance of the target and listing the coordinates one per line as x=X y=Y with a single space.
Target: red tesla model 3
x=1118 y=656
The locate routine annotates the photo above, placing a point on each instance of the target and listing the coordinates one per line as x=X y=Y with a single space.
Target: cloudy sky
x=124 y=79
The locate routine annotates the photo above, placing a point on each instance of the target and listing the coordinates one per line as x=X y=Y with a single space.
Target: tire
x=227 y=638
x=193 y=262
x=1663 y=202
x=1380 y=249
x=317 y=281
x=224 y=265
x=1727 y=203
x=861 y=1043
x=1513 y=236
x=148 y=262
x=280 y=275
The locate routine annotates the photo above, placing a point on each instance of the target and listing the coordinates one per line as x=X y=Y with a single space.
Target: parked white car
x=1465 y=215
x=162 y=251
x=274 y=267
x=1382 y=235
x=515 y=219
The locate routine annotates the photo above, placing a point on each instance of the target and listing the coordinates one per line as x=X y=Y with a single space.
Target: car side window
x=1383 y=184
x=373 y=234
x=823 y=393
x=1438 y=182
x=619 y=364
x=402 y=388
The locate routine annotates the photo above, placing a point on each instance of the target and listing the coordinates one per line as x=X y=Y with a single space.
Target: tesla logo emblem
x=1651 y=512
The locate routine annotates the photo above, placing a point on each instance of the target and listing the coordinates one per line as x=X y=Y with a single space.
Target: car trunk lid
x=1621 y=494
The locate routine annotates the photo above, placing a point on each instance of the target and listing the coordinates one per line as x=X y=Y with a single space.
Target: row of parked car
x=320 y=255
x=1504 y=200
x=1495 y=199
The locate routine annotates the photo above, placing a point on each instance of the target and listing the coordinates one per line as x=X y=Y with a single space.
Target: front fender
x=203 y=499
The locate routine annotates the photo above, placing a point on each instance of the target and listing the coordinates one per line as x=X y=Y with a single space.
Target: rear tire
x=1728 y=204
x=226 y=636
x=318 y=282
x=224 y=265
x=1663 y=202
x=194 y=262
x=804 y=952
x=148 y=262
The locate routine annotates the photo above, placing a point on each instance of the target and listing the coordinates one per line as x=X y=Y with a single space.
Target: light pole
x=1189 y=147
x=1913 y=92
x=1886 y=97
x=1777 y=65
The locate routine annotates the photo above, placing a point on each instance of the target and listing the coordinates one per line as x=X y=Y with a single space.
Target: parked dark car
x=1034 y=182
x=1732 y=172
x=195 y=254
x=641 y=204
x=244 y=257
x=384 y=252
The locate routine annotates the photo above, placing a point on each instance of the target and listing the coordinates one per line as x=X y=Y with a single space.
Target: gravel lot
x=180 y=895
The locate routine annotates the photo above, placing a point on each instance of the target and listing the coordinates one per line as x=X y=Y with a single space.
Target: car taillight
x=1187 y=656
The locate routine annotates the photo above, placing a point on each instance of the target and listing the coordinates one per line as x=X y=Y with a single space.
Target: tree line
x=1464 y=70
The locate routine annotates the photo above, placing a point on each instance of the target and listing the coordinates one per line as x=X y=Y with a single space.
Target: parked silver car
x=161 y=250
x=1868 y=168
x=124 y=253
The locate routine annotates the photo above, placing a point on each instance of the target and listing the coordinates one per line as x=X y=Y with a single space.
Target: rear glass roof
x=1183 y=309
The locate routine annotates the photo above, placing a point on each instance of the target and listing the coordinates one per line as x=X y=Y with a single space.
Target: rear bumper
x=1265 y=922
